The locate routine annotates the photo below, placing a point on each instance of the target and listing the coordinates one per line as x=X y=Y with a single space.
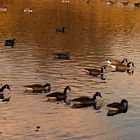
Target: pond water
x=94 y=33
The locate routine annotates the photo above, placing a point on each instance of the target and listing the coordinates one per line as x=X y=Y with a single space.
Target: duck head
x=125 y=103
x=96 y=94
x=67 y=88
x=124 y=61
x=130 y=65
x=7 y=86
x=14 y=40
x=47 y=85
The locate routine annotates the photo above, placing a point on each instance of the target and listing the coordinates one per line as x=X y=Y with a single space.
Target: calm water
x=94 y=32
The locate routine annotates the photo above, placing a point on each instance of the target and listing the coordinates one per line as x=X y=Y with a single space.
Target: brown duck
x=38 y=88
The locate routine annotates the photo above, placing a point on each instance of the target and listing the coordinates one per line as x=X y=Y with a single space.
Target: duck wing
x=93 y=71
x=122 y=68
x=8 y=42
x=82 y=99
x=55 y=94
x=115 y=105
x=34 y=86
x=59 y=53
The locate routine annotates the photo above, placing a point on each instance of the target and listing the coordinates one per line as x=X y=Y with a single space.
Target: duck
x=124 y=3
x=62 y=55
x=96 y=72
x=38 y=88
x=59 y=96
x=110 y=2
x=123 y=68
x=4 y=9
x=65 y=1
x=85 y=101
x=137 y=4
x=28 y=10
x=2 y=89
x=10 y=42
x=117 y=62
x=117 y=107
x=60 y=29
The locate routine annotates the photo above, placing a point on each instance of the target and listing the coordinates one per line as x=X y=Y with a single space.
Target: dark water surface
x=94 y=32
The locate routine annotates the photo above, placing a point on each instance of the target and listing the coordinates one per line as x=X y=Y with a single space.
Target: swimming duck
x=65 y=1
x=38 y=88
x=4 y=10
x=59 y=96
x=124 y=3
x=137 y=4
x=85 y=101
x=111 y=2
x=28 y=10
x=117 y=62
x=10 y=42
x=123 y=68
x=96 y=72
x=2 y=89
x=60 y=29
x=116 y=107
x=62 y=55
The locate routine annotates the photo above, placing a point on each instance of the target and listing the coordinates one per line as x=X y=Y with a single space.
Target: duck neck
x=94 y=97
x=65 y=90
x=102 y=69
x=1 y=90
x=126 y=107
x=124 y=61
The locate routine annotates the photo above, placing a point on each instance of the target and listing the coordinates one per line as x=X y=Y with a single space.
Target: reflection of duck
x=116 y=108
x=37 y=88
x=123 y=68
x=59 y=96
x=85 y=101
x=62 y=55
x=2 y=89
x=131 y=71
x=117 y=62
x=10 y=42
